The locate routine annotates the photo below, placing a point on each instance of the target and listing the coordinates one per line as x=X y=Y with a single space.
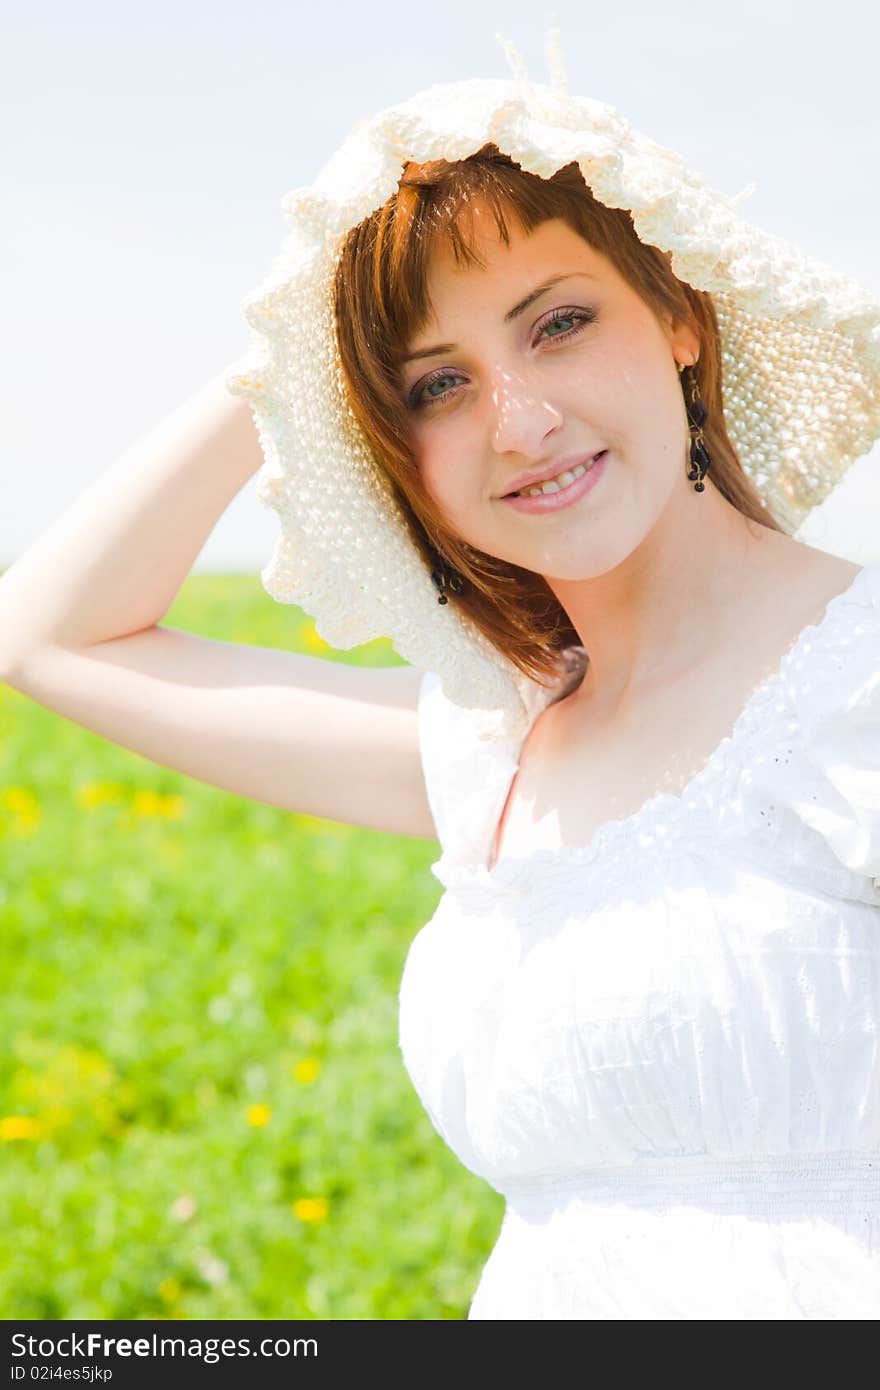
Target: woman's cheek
x=444 y=478
x=432 y=477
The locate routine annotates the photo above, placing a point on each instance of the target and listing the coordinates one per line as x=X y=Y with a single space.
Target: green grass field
x=203 y=1107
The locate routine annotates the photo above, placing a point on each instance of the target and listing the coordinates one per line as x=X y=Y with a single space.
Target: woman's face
x=584 y=366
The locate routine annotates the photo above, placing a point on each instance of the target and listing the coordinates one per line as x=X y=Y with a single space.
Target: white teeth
x=562 y=480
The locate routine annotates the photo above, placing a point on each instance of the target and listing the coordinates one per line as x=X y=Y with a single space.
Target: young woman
x=643 y=719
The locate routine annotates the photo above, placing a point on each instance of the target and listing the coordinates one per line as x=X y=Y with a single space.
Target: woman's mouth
x=562 y=491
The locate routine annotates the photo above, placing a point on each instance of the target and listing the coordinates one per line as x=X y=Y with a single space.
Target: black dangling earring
x=697 y=417
x=447 y=579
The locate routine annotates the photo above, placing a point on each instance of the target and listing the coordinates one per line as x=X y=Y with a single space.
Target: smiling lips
x=566 y=470
x=565 y=490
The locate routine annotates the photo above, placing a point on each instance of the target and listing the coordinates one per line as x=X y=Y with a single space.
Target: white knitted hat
x=800 y=351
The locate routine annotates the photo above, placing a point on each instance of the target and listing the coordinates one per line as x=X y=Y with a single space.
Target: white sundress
x=662 y=1047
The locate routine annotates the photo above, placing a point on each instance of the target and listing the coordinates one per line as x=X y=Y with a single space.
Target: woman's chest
x=688 y=1008
x=587 y=762
x=580 y=768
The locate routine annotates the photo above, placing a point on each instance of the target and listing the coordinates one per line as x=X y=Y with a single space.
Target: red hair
x=381 y=300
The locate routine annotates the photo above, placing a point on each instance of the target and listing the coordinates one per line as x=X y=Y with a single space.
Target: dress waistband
x=755 y=1183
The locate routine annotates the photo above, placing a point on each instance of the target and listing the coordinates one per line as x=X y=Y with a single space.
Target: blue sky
x=148 y=149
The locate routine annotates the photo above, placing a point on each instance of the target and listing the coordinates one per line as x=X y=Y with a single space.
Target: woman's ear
x=684 y=337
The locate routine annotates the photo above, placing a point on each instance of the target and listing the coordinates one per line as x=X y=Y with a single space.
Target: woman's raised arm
x=113 y=562
x=80 y=634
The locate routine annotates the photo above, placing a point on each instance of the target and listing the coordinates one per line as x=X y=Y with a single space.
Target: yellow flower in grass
x=259 y=1115
x=169 y=1290
x=150 y=803
x=306 y=1070
x=311 y=638
x=311 y=1209
x=74 y=1090
x=90 y=794
x=20 y=1127
x=20 y=801
x=24 y=806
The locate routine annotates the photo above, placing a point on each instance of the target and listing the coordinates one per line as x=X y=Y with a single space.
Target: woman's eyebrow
x=508 y=317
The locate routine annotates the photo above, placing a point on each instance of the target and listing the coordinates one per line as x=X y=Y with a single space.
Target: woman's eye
x=571 y=323
x=578 y=317
x=423 y=395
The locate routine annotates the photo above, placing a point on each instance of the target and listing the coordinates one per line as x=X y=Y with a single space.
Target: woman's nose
x=521 y=417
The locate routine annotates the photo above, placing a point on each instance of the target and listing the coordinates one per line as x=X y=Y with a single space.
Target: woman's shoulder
x=834 y=686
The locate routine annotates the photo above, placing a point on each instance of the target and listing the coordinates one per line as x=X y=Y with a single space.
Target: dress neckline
x=667 y=801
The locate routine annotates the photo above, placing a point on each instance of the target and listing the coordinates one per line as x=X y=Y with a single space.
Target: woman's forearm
x=113 y=562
